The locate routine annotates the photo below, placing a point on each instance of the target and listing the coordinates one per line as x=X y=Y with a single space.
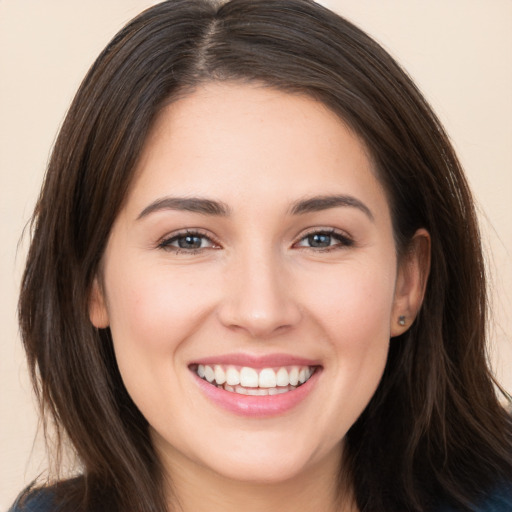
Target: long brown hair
x=434 y=430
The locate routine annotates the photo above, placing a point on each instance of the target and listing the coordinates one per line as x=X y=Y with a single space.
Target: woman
x=255 y=278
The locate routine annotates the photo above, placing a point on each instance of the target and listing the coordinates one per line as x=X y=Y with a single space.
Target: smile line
x=249 y=381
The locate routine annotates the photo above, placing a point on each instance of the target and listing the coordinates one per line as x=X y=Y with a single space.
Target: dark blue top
x=39 y=501
x=500 y=501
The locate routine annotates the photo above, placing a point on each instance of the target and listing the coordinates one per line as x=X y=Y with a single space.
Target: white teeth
x=267 y=381
x=220 y=375
x=279 y=391
x=248 y=377
x=257 y=391
x=267 y=378
x=209 y=374
x=232 y=377
x=293 y=376
x=282 y=377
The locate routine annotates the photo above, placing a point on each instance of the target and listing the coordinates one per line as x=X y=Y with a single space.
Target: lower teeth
x=256 y=391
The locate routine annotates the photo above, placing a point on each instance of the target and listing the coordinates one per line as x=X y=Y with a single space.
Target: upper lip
x=256 y=361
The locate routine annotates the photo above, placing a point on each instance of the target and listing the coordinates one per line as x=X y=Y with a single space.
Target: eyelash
x=165 y=243
x=342 y=239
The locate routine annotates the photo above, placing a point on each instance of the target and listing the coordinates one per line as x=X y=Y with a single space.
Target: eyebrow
x=320 y=203
x=217 y=208
x=189 y=204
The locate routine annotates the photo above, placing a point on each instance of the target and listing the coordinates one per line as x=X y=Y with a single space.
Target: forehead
x=248 y=141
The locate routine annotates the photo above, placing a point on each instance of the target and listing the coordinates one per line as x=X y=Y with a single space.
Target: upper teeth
x=252 y=378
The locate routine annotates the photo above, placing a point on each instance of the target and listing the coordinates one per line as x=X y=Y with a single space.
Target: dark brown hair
x=434 y=429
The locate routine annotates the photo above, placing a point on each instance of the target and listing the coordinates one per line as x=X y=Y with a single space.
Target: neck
x=196 y=488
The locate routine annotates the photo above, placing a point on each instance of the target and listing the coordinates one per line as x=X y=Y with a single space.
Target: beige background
x=459 y=52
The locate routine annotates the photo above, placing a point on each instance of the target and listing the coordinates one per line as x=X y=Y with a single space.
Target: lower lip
x=257 y=406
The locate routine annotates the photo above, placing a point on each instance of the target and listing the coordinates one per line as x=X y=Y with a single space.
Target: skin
x=256 y=286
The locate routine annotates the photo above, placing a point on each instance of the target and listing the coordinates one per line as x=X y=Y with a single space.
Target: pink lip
x=257 y=406
x=255 y=361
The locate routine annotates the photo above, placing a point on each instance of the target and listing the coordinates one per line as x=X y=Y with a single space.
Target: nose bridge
x=258 y=298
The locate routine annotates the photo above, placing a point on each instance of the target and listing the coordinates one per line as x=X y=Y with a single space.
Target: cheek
x=353 y=313
x=152 y=315
x=155 y=309
x=354 y=301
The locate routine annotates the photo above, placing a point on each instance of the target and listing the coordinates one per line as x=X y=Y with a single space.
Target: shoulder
x=40 y=500
x=500 y=500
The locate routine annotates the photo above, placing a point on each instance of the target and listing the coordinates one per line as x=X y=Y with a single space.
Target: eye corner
x=321 y=240
x=188 y=241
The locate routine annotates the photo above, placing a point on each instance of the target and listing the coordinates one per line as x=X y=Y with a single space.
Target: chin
x=268 y=459
x=261 y=470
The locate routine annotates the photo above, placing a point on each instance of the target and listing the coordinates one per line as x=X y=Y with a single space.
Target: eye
x=326 y=239
x=189 y=241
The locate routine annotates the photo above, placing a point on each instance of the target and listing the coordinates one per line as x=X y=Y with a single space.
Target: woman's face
x=255 y=247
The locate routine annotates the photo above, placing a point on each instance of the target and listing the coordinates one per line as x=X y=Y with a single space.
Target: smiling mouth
x=251 y=381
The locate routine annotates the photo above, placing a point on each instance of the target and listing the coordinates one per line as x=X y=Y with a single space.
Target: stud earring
x=401 y=320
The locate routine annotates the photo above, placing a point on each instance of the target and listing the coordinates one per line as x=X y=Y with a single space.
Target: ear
x=98 y=313
x=411 y=282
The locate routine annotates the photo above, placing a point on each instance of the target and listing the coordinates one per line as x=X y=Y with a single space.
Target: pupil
x=190 y=242
x=319 y=240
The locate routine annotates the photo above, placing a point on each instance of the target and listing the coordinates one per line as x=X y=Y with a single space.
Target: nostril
x=259 y=322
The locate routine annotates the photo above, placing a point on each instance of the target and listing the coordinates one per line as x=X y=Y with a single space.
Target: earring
x=401 y=320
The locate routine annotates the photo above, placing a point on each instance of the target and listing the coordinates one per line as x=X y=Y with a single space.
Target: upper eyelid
x=166 y=239
x=346 y=240
x=327 y=230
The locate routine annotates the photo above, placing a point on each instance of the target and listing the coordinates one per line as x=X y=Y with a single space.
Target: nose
x=258 y=298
